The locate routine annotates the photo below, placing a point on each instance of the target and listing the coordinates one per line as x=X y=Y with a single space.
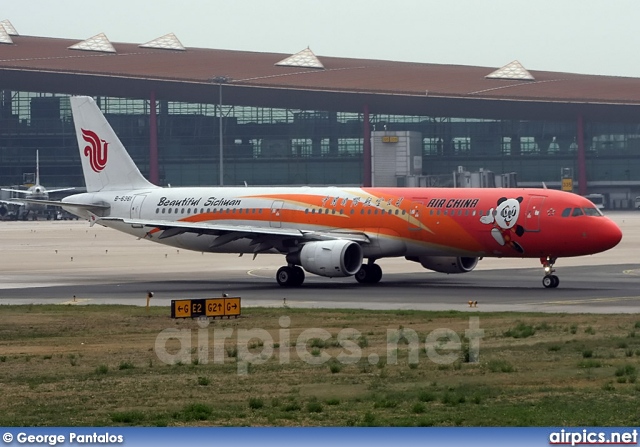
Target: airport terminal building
x=302 y=119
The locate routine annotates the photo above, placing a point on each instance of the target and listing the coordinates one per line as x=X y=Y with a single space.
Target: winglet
x=93 y=218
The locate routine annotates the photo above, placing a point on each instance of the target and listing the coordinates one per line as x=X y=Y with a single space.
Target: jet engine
x=446 y=264
x=3 y=210
x=329 y=258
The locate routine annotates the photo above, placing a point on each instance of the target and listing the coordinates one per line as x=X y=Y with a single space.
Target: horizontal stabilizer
x=49 y=191
x=84 y=206
x=17 y=191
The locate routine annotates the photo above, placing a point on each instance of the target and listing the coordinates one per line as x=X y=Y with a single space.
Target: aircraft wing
x=12 y=202
x=229 y=232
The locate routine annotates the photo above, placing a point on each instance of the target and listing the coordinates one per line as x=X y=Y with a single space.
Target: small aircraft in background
x=28 y=209
x=330 y=231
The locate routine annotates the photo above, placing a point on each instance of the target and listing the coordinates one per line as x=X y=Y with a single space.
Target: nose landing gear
x=549 y=281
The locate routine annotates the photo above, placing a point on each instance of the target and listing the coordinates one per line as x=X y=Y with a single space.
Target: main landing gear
x=370 y=273
x=549 y=281
x=290 y=276
x=293 y=275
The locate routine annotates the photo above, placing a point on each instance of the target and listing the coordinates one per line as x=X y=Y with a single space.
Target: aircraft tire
x=550 y=281
x=362 y=274
x=290 y=276
x=369 y=274
x=376 y=273
x=298 y=275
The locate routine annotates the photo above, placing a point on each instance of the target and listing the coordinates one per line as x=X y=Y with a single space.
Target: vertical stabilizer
x=105 y=162
x=37 y=167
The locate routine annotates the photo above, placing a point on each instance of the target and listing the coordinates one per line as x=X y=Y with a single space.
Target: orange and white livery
x=333 y=231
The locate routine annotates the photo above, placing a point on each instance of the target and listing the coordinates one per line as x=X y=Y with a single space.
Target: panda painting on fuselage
x=504 y=220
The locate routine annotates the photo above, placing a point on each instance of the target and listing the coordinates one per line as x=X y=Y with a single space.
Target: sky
x=599 y=37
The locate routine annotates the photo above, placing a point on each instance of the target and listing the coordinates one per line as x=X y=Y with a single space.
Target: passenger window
x=577 y=212
x=566 y=212
x=163 y=210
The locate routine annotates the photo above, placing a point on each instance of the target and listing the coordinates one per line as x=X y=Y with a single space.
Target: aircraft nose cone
x=611 y=235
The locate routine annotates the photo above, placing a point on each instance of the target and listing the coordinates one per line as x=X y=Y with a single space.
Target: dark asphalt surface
x=606 y=288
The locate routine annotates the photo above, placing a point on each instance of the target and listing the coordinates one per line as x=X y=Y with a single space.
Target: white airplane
x=329 y=231
x=37 y=192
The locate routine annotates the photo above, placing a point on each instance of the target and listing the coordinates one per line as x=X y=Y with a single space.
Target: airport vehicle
x=329 y=231
x=597 y=199
x=35 y=192
x=636 y=203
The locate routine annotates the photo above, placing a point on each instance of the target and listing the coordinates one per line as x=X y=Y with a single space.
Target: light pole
x=221 y=80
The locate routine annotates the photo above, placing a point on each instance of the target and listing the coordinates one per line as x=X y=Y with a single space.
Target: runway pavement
x=51 y=262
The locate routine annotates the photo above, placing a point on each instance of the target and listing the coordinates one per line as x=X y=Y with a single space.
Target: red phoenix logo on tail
x=97 y=151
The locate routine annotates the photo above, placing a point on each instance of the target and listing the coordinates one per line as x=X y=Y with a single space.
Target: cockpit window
x=566 y=212
x=577 y=212
x=592 y=212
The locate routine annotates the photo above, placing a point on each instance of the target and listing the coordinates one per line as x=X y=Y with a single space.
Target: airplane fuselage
x=398 y=221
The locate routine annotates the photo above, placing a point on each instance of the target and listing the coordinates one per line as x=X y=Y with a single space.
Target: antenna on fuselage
x=544 y=185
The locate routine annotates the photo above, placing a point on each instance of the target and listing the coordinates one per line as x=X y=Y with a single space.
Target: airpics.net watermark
x=257 y=346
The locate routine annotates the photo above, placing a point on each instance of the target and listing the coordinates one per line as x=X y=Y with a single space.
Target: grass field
x=106 y=365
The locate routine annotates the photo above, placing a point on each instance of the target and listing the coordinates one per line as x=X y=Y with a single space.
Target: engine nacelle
x=446 y=264
x=329 y=258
